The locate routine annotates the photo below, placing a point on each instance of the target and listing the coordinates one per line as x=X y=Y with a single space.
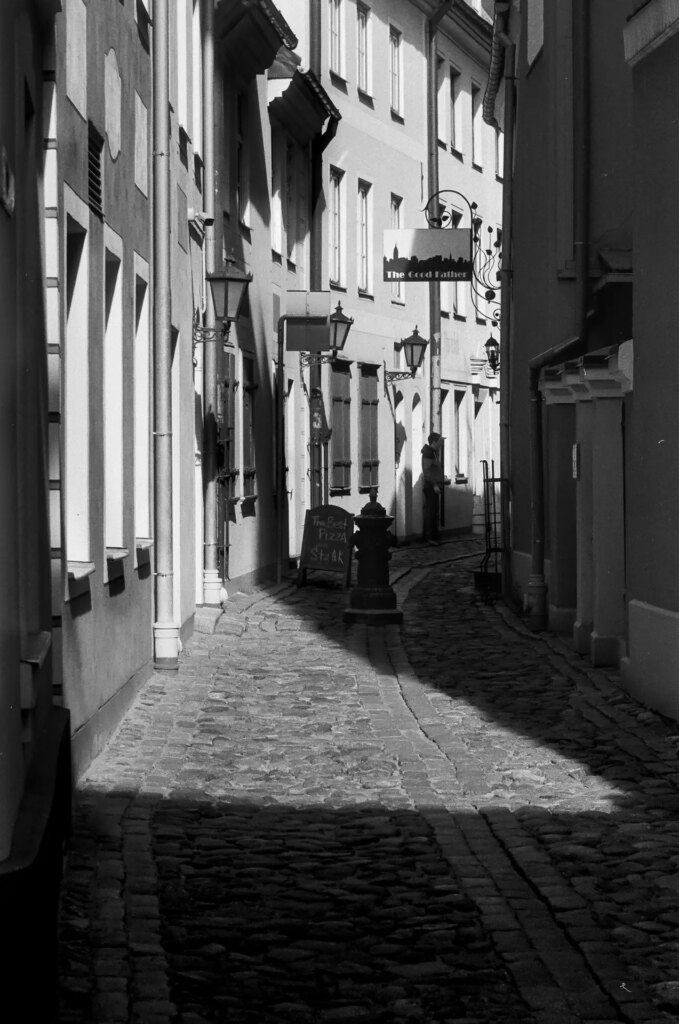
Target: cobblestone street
x=455 y=821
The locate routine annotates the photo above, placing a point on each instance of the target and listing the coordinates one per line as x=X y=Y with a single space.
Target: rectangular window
x=362 y=48
x=455 y=111
x=290 y=204
x=227 y=465
x=114 y=403
x=336 y=214
x=335 y=20
x=249 y=389
x=535 y=29
x=368 y=428
x=395 y=75
x=142 y=408
x=395 y=225
x=460 y=428
x=363 y=239
x=277 y=176
x=442 y=102
x=499 y=153
x=77 y=391
x=197 y=80
x=477 y=149
x=340 y=441
x=242 y=161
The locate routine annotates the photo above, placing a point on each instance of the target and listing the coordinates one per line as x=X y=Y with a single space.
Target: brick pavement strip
x=452 y=821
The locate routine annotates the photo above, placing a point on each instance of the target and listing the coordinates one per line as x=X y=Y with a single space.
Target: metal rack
x=488 y=578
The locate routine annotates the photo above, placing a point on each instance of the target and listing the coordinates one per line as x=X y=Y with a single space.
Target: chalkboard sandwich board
x=327 y=542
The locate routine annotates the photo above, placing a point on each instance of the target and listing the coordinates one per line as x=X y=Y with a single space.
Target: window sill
x=460 y=318
x=78 y=578
x=398 y=302
x=142 y=547
x=456 y=153
x=477 y=167
x=337 y=287
x=499 y=178
x=366 y=488
x=276 y=257
x=35 y=648
x=365 y=97
x=114 y=563
x=365 y=295
x=337 y=492
x=461 y=478
x=395 y=116
x=481 y=321
x=338 y=79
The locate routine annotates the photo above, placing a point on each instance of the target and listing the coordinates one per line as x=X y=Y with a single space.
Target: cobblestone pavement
x=455 y=821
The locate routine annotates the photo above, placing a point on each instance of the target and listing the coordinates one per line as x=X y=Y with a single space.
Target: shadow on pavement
x=179 y=909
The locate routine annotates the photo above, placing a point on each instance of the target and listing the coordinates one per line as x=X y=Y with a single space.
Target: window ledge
x=79 y=570
x=337 y=287
x=365 y=97
x=395 y=116
x=116 y=554
x=337 y=491
x=460 y=317
x=35 y=648
x=366 y=295
x=337 y=78
x=477 y=167
x=398 y=302
x=456 y=153
x=461 y=478
x=143 y=543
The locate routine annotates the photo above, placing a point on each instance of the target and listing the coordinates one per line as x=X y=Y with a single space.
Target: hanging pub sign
x=428 y=254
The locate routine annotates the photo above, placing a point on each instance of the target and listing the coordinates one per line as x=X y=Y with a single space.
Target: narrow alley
x=456 y=821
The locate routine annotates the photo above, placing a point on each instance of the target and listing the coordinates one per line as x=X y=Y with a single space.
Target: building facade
x=570 y=317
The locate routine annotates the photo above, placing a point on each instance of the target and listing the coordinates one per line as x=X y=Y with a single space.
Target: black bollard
x=372 y=600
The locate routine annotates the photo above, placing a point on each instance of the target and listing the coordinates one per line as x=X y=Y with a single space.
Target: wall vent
x=95 y=149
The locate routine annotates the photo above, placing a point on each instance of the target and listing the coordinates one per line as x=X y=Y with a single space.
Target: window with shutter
x=228 y=468
x=340 y=443
x=249 y=389
x=368 y=428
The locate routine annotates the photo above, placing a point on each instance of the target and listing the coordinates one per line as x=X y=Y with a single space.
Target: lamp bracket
x=394 y=375
x=315 y=358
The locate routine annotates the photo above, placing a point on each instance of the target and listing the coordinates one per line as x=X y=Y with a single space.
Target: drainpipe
x=212 y=583
x=433 y=184
x=318 y=147
x=536 y=594
x=165 y=629
x=503 y=65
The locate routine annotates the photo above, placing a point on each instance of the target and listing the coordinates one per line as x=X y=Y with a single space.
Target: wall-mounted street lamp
x=414 y=348
x=228 y=288
x=492 y=348
x=340 y=326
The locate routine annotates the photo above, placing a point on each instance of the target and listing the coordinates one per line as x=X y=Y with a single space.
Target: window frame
x=368 y=429
x=395 y=219
x=336 y=232
x=364 y=237
x=395 y=70
x=363 y=53
x=335 y=29
x=340 y=422
x=248 y=425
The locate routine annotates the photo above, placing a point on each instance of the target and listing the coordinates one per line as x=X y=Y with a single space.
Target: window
x=336 y=217
x=395 y=224
x=395 y=70
x=197 y=80
x=249 y=389
x=368 y=428
x=77 y=384
x=477 y=151
x=335 y=19
x=455 y=111
x=460 y=427
x=290 y=207
x=242 y=161
x=535 y=29
x=277 y=176
x=340 y=441
x=114 y=402
x=442 y=99
x=226 y=453
x=362 y=48
x=363 y=237
x=499 y=153
x=141 y=145
x=454 y=293
x=142 y=404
